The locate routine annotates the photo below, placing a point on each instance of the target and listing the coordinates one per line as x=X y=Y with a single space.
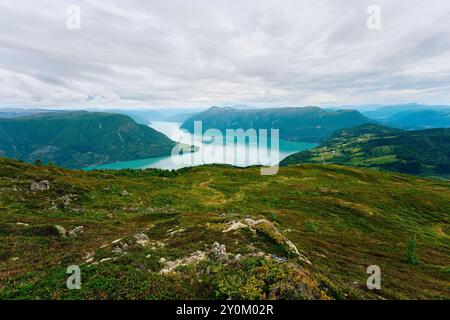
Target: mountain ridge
x=420 y=152
x=305 y=124
x=79 y=138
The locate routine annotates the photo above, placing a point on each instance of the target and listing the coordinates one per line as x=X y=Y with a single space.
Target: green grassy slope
x=340 y=219
x=422 y=152
x=306 y=124
x=77 y=139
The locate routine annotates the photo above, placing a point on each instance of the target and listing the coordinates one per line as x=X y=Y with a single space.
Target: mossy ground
x=342 y=219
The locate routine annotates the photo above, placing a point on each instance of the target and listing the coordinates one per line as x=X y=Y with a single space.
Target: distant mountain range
x=16 y=112
x=307 y=124
x=146 y=116
x=423 y=152
x=79 y=139
x=412 y=116
x=180 y=117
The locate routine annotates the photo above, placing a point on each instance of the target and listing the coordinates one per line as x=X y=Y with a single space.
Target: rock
x=117 y=250
x=110 y=216
x=194 y=258
x=171 y=232
x=22 y=224
x=76 y=232
x=219 y=252
x=66 y=199
x=157 y=244
x=40 y=186
x=268 y=228
x=120 y=248
x=89 y=255
x=141 y=239
x=124 y=193
x=235 y=225
x=61 y=230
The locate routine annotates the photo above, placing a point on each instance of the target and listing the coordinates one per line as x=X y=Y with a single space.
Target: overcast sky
x=155 y=53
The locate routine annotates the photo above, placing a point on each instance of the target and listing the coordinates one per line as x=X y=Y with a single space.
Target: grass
x=310 y=226
x=341 y=219
x=411 y=257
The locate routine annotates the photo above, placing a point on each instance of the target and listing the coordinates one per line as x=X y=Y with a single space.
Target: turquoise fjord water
x=239 y=153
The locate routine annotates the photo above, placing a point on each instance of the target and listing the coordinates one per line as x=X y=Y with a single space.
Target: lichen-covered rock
x=40 y=186
x=76 y=232
x=270 y=230
x=141 y=239
x=219 y=252
x=194 y=258
x=235 y=225
x=61 y=230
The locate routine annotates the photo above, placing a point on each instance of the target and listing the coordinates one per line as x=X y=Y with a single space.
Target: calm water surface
x=209 y=151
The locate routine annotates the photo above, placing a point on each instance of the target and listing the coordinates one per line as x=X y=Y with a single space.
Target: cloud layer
x=153 y=53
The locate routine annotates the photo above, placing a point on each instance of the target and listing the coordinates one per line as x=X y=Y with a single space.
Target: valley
x=219 y=152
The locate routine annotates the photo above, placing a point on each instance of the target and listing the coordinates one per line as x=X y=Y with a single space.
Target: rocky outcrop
x=219 y=252
x=194 y=258
x=40 y=186
x=267 y=228
x=73 y=233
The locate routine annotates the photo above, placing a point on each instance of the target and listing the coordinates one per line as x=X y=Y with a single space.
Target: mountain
x=384 y=112
x=79 y=139
x=419 y=119
x=412 y=116
x=20 y=112
x=144 y=116
x=218 y=232
x=422 y=152
x=306 y=124
x=180 y=117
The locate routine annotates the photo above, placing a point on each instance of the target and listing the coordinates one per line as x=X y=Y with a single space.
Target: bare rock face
x=40 y=186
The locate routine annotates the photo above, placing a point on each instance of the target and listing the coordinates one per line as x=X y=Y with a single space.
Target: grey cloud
x=197 y=53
